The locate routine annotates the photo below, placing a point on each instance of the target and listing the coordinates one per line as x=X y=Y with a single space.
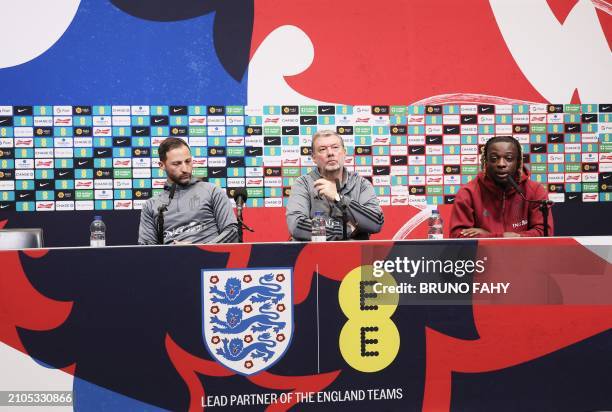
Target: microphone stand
x=344 y=213
x=544 y=207
x=160 y=224
x=160 y=215
x=241 y=224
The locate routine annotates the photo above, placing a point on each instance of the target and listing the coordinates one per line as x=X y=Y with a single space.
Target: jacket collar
x=192 y=182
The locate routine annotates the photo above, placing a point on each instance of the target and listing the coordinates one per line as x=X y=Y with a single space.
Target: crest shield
x=247 y=316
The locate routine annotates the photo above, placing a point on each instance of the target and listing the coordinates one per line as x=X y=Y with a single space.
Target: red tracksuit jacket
x=482 y=203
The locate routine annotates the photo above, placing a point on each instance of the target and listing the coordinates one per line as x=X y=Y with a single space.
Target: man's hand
x=326 y=189
x=474 y=231
x=511 y=234
x=181 y=242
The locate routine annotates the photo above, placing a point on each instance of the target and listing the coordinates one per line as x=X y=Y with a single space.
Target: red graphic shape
x=400 y=53
x=561 y=8
x=21 y=305
x=512 y=333
x=575 y=97
x=605 y=19
x=239 y=256
x=189 y=366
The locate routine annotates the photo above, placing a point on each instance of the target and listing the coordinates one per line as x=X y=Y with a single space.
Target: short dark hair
x=503 y=139
x=169 y=144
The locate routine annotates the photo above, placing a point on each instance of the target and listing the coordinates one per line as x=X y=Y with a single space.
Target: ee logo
x=369 y=340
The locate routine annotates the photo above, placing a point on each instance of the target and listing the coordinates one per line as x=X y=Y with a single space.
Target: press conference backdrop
x=91 y=87
x=58 y=160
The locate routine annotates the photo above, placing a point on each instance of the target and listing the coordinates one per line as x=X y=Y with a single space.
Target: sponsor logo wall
x=58 y=158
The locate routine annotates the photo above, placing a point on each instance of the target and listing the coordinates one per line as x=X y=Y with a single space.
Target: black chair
x=21 y=238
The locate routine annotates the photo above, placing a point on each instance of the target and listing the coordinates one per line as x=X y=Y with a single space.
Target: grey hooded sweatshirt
x=358 y=198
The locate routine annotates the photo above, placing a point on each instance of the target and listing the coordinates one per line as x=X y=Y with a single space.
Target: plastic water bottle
x=435 y=226
x=98 y=232
x=319 y=234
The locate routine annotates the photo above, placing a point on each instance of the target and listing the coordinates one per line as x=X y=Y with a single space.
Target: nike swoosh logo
x=3 y=120
x=21 y=196
x=538 y=148
x=252 y=151
x=450 y=129
x=3 y=206
x=467 y=119
x=101 y=152
x=291 y=129
x=587 y=118
x=21 y=110
x=397 y=160
x=325 y=109
x=175 y=110
x=43 y=184
x=270 y=140
x=138 y=131
x=121 y=141
x=216 y=172
x=63 y=173
x=414 y=150
x=82 y=163
x=554 y=138
x=233 y=162
x=308 y=120
x=485 y=109
x=605 y=108
x=157 y=120
x=572 y=197
x=605 y=177
x=434 y=140
x=571 y=127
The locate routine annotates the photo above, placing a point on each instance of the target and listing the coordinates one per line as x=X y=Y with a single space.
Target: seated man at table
x=197 y=212
x=489 y=206
x=318 y=191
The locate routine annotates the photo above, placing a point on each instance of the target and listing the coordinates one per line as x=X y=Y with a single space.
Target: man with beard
x=318 y=192
x=489 y=206
x=195 y=211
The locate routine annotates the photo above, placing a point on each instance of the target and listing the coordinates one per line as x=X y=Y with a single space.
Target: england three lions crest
x=247 y=316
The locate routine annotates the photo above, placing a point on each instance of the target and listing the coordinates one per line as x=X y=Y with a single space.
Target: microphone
x=164 y=207
x=240 y=196
x=520 y=192
x=516 y=187
x=341 y=206
x=172 y=190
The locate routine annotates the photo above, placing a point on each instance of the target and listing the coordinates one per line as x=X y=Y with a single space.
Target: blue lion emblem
x=234 y=349
x=234 y=294
x=234 y=323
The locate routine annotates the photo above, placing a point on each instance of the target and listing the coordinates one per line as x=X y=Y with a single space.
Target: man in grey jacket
x=195 y=211
x=317 y=191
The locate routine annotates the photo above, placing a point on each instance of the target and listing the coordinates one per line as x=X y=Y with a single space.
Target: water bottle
x=435 y=226
x=98 y=232
x=319 y=233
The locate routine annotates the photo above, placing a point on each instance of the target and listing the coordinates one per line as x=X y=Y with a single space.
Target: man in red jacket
x=489 y=206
